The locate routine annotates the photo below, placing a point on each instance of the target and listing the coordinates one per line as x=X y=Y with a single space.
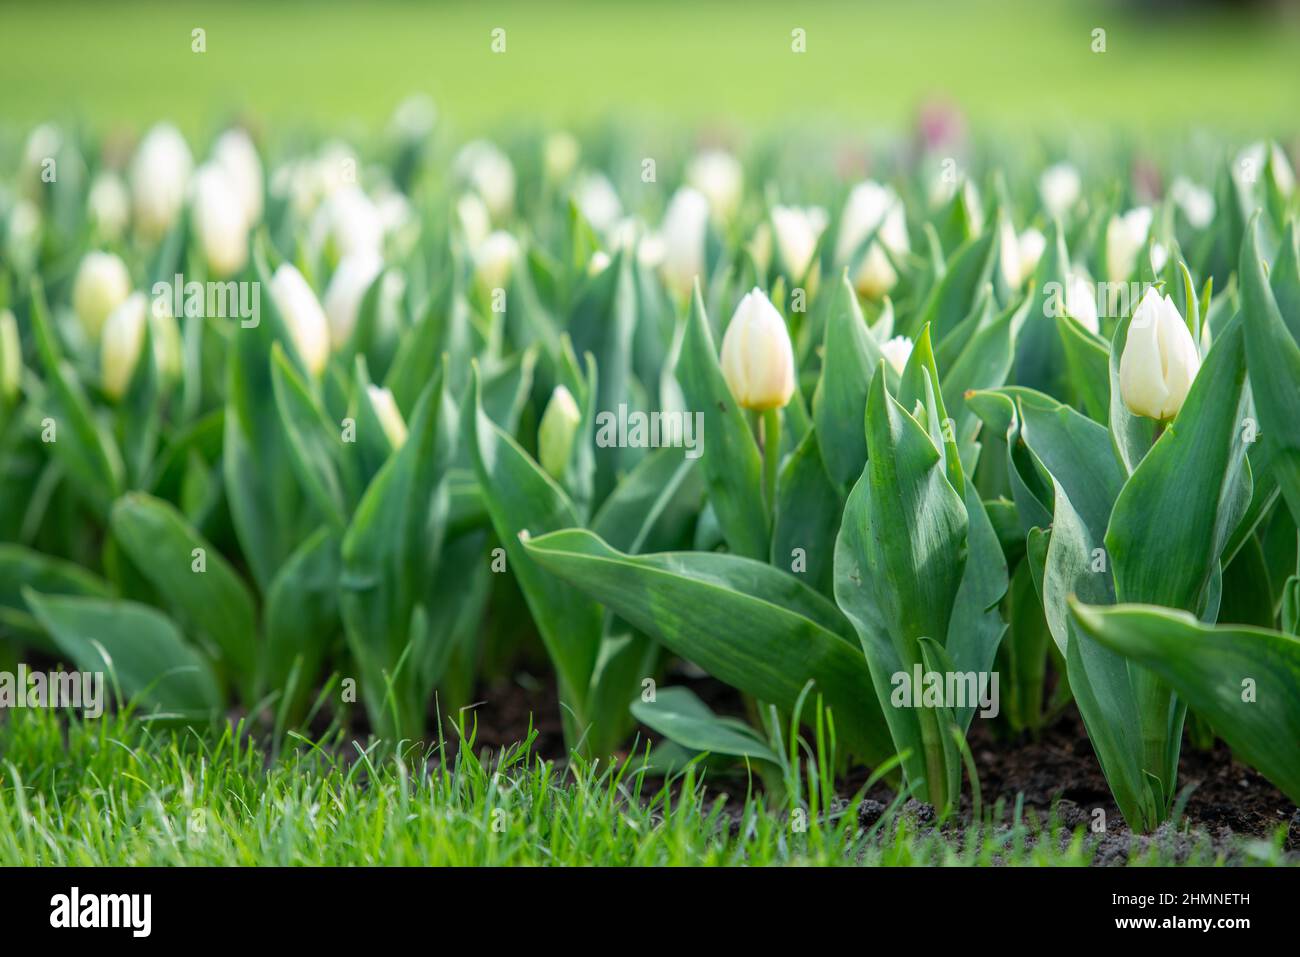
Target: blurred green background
x=1012 y=64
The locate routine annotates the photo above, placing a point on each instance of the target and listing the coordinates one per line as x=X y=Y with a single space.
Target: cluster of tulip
x=930 y=444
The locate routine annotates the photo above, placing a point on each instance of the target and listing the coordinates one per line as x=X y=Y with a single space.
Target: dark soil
x=1227 y=803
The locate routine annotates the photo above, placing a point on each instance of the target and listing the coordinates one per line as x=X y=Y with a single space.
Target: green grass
x=114 y=792
x=1012 y=63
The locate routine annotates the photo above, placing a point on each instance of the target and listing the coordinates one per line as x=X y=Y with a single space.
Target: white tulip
x=718 y=176
x=303 y=317
x=1196 y=202
x=560 y=156
x=388 y=414
x=1020 y=254
x=121 y=344
x=235 y=153
x=1125 y=237
x=897 y=351
x=871 y=207
x=415 y=117
x=109 y=205
x=494 y=260
x=43 y=145
x=102 y=284
x=685 y=226
x=23 y=234
x=598 y=262
x=220 y=221
x=1060 y=188
x=474 y=219
x=1159 y=256
x=1081 y=302
x=598 y=201
x=348 y=222
x=557 y=430
x=160 y=175
x=11 y=357
x=347 y=287
x=168 y=349
x=1250 y=162
x=797 y=231
x=1159 y=361
x=489 y=171
x=757 y=358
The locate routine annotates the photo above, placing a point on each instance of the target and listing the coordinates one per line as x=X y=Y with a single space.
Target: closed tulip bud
x=347 y=287
x=560 y=156
x=219 y=221
x=121 y=344
x=235 y=153
x=896 y=352
x=1125 y=236
x=797 y=231
x=160 y=176
x=1020 y=254
x=684 y=229
x=102 y=284
x=473 y=218
x=757 y=359
x=557 y=431
x=1196 y=202
x=1159 y=360
x=388 y=414
x=109 y=205
x=1059 y=187
x=598 y=201
x=11 y=357
x=872 y=208
x=718 y=176
x=489 y=171
x=23 y=235
x=348 y=222
x=598 y=262
x=1081 y=303
x=494 y=260
x=44 y=143
x=168 y=351
x=303 y=317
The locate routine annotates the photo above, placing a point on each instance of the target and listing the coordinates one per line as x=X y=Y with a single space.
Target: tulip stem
x=770 y=440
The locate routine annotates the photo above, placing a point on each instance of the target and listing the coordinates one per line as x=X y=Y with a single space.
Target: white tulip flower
x=598 y=262
x=490 y=173
x=1081 y=302
x=235 y=153
x=347 y=287
x=494 y=260
x=1125 y=237
x=1060 y=188
x=1159 y=361
x=160 y=176
x=102 y=284
x=43 y=145
x=11 y=357
x=303 y=317
x=897 y=351
x=474 y=219
x=388 y=414
x=718 y=176
x=1020 y=254
x=348 y=222
x=220 y=221
x=757 y=358
x=685 y=226
x=109 y=205
x=871 y=207
x=558 y=429
x=797 y=231
x=22 y=234
x=1196 y=202
x=598 y=201
x=121 y=345
x=560 y=156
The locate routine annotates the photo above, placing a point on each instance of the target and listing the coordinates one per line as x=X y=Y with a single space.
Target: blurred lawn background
x=1008 y=65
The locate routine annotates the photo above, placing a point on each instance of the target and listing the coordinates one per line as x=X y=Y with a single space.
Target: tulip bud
x=1020 y=254
x=684 y=229
x=219 y=221
x=1159 y=360
x=489 y=171
x=560 y=156
x=168 y=351
x=303 y=317
x=347 y=287
x=494 y=260
x=872 y=208
x=1196 y=202
x=11 y=357
x=23 y=235
x=797 y=231
x=235 y=153
x=757 y=359
x=348 y=222
x=1059 y=187
x=388 y=414
x=102 y=284
x=1081 y=303
x=109 y=205
x=474 y=220
x=557 y=431
x=598 y=202
x=897 y=351
x=1125 y=236
x=598 y=262
x=44 y=143
x=718 y=176
x=160 y=175
x=121 y=344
